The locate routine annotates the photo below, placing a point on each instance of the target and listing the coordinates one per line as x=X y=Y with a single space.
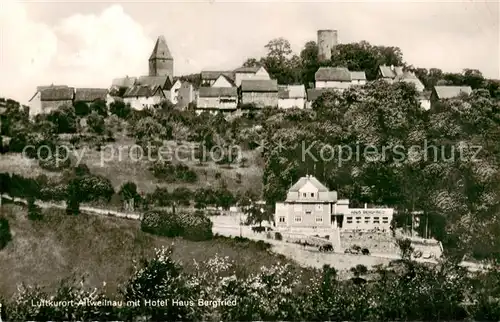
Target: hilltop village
x=230 y=90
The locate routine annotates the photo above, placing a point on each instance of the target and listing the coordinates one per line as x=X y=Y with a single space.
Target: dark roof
x=358 y=76
x=142 y=91
x=124 y=81
x=257 y=85
x=314 y=93
x=390 y=71
x=162 y=81
x=213 y=75
x=90 y=94
x=444 y=92
x=252 y=70
x=218 y=92
x=57 y=93
x=161 y=51
x=341 y=74
x=283 y=93
x=42 y=87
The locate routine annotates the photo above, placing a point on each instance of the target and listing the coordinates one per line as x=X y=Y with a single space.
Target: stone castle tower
x=161 y=62
x=327 y=41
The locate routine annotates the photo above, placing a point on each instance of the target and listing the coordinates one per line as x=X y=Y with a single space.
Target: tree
x=120 y=109
x=405 y=248
x=64 y=119
x=251 y=62
x=99 y=106
x=96 y=123
x=128 y=192
x=5 y=234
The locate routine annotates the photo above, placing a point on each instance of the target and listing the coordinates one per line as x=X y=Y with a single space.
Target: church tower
x=161 y=62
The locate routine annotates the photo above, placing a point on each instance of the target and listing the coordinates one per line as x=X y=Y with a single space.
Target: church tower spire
x=161 y=62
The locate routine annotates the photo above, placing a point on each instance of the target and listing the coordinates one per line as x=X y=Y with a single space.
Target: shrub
x=195 y=227
x=54 y=163
x=34 y=212
x=278 y=236
x=5 y=235
x=161 y=223
x=53 y=193
x=261 y=245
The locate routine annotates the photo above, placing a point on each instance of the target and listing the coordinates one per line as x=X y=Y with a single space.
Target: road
x=304 y=256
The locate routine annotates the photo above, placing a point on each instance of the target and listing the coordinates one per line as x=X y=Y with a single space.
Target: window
x=312 y=194
x=349 y=220
x=358 y=220
x=282 y=219
x=319 y=207
x=319 y=219
x=367 y=220
x=385 y=220
x=376 y=220
x=304 y=194
x=298 y=218
x=308 y=212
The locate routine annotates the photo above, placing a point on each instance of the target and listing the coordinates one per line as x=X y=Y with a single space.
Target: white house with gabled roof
x=310 y=207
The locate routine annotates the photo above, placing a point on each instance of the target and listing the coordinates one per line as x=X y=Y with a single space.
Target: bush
x=54 y=163
x=278 y=236
x=161 y=223
x=34 y=212
x=5 y=235
x=195 y=227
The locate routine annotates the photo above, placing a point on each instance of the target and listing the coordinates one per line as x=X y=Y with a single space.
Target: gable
x=222 y=81
x=262 y=72
x=308 y=187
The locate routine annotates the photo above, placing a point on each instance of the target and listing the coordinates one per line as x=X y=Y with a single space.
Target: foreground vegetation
x=409 y=291
x=100 y=249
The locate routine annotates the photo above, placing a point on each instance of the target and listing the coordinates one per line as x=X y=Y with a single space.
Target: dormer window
x=312 y=194
x=304 y=194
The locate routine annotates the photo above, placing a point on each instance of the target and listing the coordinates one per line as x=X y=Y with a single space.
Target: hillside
x=102 y=249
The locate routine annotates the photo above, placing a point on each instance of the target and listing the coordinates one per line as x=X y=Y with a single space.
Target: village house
x=425 y=100
x=388 y=73
x=215 y=99
x=290 y=96
x=142 y=96
x=90 y=95
x=250 y=73
x=49 y=98
x=186 y=95
x=208 y=78
x=447 y=92
x=314 y=93
x=338 y=78
x=311 y=207
x=358 y=78
x=394 y=74
x=173 y=93
x=259 y=93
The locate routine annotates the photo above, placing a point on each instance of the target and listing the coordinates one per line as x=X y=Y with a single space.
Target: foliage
x=96 y=123
x=64 y=119
x=194 y=227
x=5 y=234
x=120 y=109
x=172 y=173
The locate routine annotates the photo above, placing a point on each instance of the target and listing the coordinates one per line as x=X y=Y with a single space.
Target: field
x=119 y=163
x=102 y=249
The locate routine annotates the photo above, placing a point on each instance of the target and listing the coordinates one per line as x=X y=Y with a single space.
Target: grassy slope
x=123 y=168
x=101 y=248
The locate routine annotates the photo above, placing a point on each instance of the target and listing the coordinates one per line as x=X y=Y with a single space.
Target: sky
x=88 y=43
